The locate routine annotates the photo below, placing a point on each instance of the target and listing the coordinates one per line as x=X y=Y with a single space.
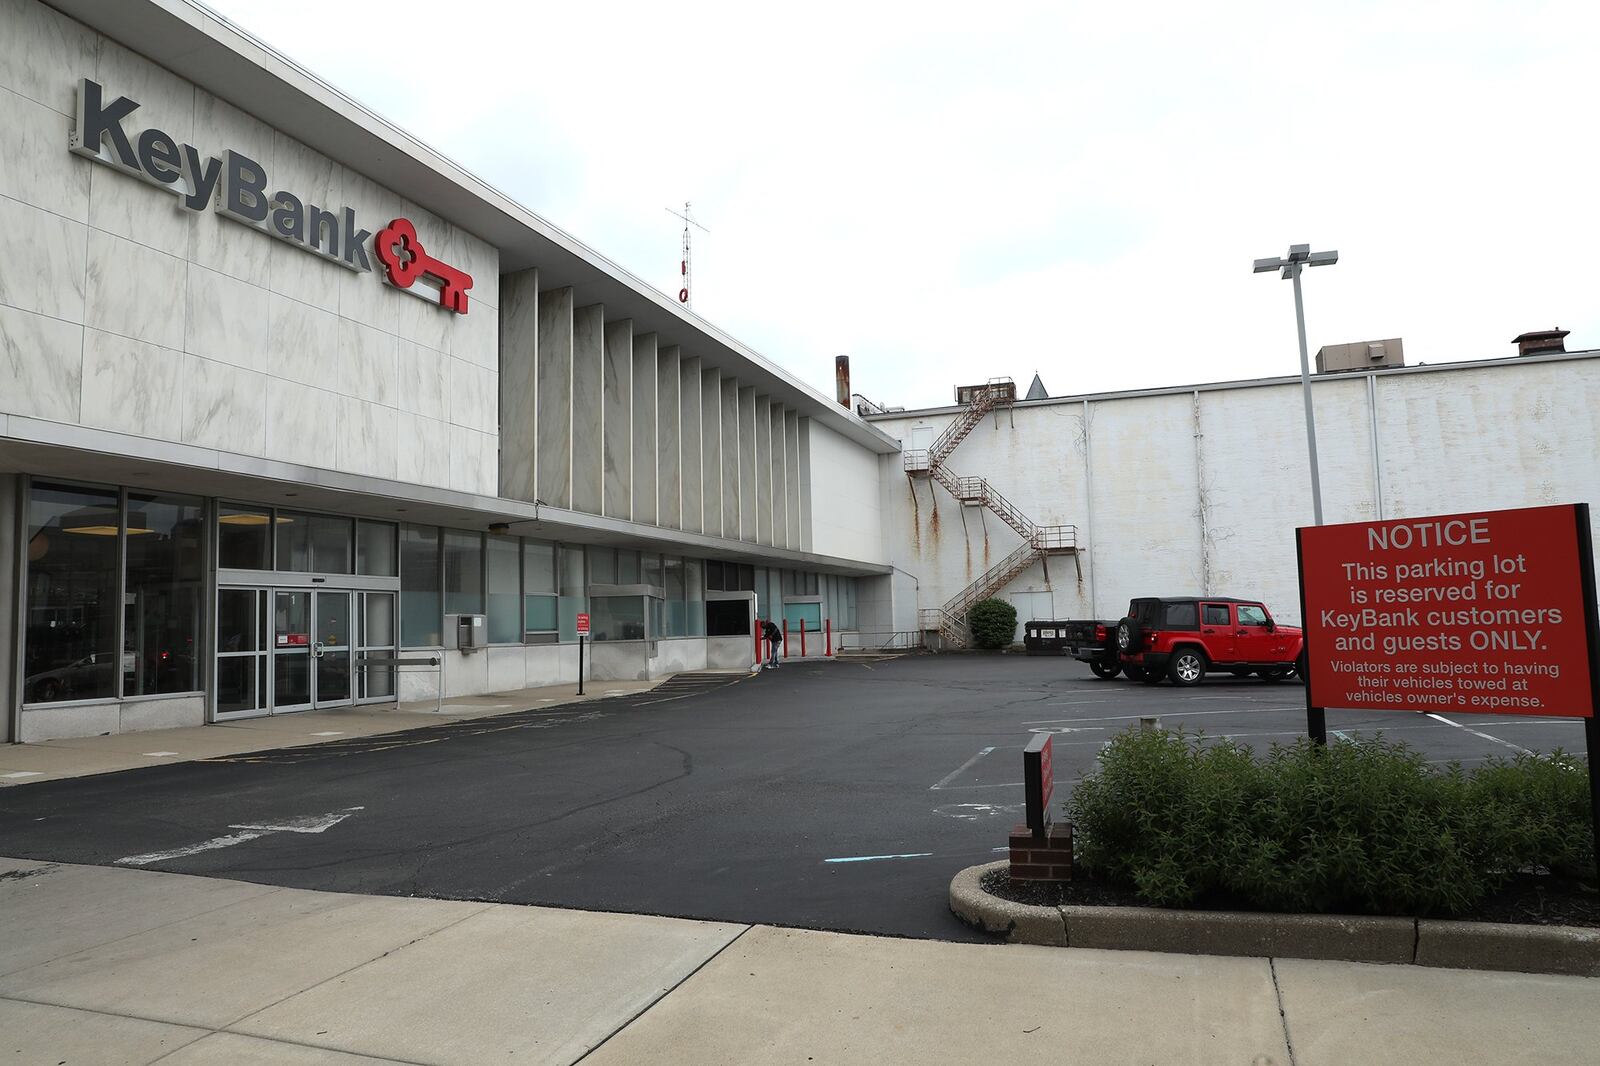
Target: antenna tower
x=686 y=263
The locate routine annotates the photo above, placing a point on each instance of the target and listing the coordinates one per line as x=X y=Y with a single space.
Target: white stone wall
x=846 y=508
x=1200 y=492
x=120 y=310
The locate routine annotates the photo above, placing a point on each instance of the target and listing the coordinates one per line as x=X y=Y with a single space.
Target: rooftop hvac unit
x=1360 y=355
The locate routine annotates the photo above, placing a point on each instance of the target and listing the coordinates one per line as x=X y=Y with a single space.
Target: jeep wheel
x=1187 y=667
x=1104 y=671
x=1127 y=634
x=1152 y=677
x=1276 y=673
x=1301 y=666
x=1134 y=673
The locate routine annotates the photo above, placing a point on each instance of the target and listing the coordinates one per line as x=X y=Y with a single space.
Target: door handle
x=1208 y=631
x=316 y=650
x=1236 y=632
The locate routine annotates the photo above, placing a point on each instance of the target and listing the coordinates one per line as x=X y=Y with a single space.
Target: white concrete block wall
x=138 y=316
x=1200 y=492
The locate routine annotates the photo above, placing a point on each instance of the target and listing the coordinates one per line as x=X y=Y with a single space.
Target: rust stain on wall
x=916 y=516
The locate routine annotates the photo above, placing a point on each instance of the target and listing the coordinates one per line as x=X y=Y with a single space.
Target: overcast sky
x=949 y=192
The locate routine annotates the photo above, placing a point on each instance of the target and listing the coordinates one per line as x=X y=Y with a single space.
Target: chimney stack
x=841 y=380
x=1541 y=342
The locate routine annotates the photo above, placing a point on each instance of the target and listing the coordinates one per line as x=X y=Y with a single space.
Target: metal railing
x=914 y=460
x=1055 y=538
x=881 y=640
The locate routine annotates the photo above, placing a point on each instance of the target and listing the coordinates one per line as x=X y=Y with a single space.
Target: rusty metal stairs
x=1037 y=541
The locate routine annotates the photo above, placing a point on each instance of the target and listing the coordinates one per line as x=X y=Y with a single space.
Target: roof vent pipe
x=841 y=380
x=1541 y=341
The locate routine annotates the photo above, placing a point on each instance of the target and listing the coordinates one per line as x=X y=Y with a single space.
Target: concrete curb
x=1553 y=949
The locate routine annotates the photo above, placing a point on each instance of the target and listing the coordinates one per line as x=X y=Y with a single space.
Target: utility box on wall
x=467 y=632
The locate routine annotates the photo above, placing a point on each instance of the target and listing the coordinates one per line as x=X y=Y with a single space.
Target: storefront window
x=421 y=616
x=69 y=648
x=463 y=572
x=244 y=537
x=617 y=618
x=538 y=591
x=505 y=590
x=313 y=543
x=375 y=549
x=694 y=580
x=574 y=593
x=677 y=610
x=162 y=602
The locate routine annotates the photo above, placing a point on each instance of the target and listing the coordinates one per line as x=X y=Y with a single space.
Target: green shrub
x=1366 y=826
x=993 y=624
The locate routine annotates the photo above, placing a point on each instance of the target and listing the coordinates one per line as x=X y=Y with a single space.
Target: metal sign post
x=583 y=631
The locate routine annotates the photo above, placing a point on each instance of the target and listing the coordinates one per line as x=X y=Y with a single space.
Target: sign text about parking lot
x=1475 y=613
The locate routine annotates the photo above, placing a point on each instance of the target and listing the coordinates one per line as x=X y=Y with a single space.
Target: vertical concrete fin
x=616 y=474
x=764 y=470
x=669 y=439
x=646 y=412
x=691 y=392
x=554 y=431
x=730 y=458
x=588 y=407
x=711 y=450
x=747 y=463
x=519 y=384
x=791 y=431
x=780 y=477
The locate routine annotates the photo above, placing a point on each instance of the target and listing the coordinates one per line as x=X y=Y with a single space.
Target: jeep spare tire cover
x=1128 y=633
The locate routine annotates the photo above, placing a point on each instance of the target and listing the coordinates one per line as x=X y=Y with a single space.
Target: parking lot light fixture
x=1290 y=267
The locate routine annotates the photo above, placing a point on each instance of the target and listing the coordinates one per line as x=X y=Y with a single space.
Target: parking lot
x=832 y=795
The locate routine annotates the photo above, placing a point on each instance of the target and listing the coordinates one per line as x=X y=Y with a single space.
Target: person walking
x=774 y=635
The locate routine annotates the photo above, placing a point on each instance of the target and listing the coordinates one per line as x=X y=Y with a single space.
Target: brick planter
x=1041 y=858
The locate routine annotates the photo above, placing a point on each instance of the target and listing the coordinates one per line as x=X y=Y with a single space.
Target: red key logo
x=404 y=261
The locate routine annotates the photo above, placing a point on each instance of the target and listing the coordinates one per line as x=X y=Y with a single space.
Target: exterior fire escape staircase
x=1037 y=541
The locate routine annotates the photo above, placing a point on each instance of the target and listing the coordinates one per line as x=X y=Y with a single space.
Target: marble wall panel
x=747 y=463
x=646 y=411
x=216 y=241
x=368 y=366
x=132 y=387
x=303 y=423
x=711 y=451
x=369 y=438
x=41 y=366
x=302 y=342
x=519 y=386
x=35 y=166
x=43 y=53
x=50 y=280
x=224 y=407
x=474 y=399
x=588 y=352
x=763 y=467
x=617 y=420
x=474 y=336
x=318 y=180
x=474 y=466
x=415 y=314
x=424 y=451
x=422 y=385
x=482 y=260
x=135 y=291
x=554 y=429
x=730 y=458
x=228 y=319
x=691 y=479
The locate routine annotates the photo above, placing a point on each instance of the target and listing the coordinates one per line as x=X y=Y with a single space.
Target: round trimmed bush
x=993 y=624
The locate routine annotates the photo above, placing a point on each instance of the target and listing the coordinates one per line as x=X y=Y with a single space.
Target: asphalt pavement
x=839 y=796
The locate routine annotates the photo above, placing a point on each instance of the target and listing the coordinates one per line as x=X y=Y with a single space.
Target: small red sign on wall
x=583 y=625
x=1489 y=613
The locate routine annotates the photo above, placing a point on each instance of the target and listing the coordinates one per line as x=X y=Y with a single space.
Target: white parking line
x=875 y=858
x=957 y=772
x=1136 y=717
x=1474 y=732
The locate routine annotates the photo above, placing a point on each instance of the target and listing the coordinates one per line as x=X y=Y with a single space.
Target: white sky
x=950 y=192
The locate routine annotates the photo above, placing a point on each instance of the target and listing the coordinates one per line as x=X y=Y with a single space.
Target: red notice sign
x=1489 y=613
x=583 y=625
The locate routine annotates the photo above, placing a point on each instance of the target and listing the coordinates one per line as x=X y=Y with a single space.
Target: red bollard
x=785 y=638
x=802 y=638
x=758 y=641
x=829 y=650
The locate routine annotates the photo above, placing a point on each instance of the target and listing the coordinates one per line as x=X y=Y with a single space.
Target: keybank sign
x=238 y=185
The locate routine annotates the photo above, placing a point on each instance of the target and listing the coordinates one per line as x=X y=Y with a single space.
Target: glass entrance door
x=330 y=649
x=292 y=641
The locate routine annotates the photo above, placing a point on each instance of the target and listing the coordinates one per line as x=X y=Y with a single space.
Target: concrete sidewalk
x=51 y=760
x=121 y=966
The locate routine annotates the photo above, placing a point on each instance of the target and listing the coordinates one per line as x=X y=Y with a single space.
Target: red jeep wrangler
x=1183 y=637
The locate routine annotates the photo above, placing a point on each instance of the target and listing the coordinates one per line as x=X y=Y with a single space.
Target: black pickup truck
x=1093 y=642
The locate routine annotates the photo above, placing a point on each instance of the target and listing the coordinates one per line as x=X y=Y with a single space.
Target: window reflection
x=161 y=634
x=71 y=594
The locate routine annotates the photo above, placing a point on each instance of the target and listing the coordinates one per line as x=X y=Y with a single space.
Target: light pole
x=1301 y=256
